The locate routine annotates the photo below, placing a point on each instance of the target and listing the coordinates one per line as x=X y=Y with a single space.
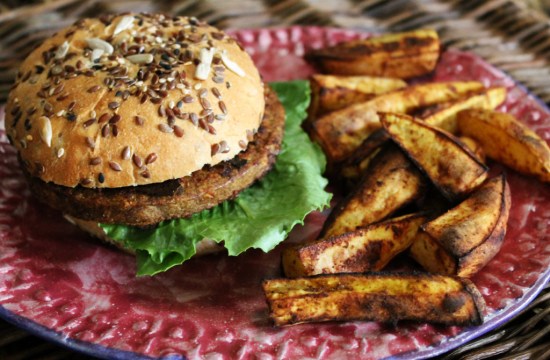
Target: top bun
x=133 y=99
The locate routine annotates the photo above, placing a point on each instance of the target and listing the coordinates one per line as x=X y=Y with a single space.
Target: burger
x=142 y=128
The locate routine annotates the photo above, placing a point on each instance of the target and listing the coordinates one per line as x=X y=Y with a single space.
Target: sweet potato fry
x=451 y=166
x=383 y=297
x=467 y=237
x=354 y=166
x=505 y=139
x=365 y=249
x=330 y=92
x=402 y=55
x=341 y=132
x=474 y=146
x=391 y=182
x=445 y=118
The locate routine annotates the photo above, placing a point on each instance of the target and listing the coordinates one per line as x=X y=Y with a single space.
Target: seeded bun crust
x=133 y=100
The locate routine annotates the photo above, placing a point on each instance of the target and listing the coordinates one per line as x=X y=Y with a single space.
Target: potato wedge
x=354 y=166
x=341 y=132
x=443 y=116
x=446 y=118
x=508 y=141
x=470 y=234
x=365 y=249
x=329 y=92
x=383 y=297
x=474 y=146
x=451 y=166
x=402 y=55
x=391 y=182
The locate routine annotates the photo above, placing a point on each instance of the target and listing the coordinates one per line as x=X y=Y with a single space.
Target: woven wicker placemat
x=506 y=33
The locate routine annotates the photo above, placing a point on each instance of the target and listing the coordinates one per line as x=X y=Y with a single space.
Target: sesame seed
x=60 y=152
x=223 y=108
x=242 y=144
x=88 y=122
x=224 y=147
x=139 y=120
x=161 y=111
x=194 y=118
x=48 y=107
x=56 y=70
x=214 y=149
x=249 y=135
x=170 y=113
x=188 y=99
x=114 y=119
x=90 y=142
x=115 y=166
x=62 y=97
x=137 y=160
x=165 y=128
x=203 y=124
x=113 y=105
x=150 y=158
x=85 y=182
x=126 y=153
x=216 y=93
x=39 y=167
x=94 y=89
x=205 y=103
x=101 y=178
x=105 y=130
x=103 y=118
x=178 y=131
x=71 y=106
x=145 y=174
x=95 y=161
x=57 y=90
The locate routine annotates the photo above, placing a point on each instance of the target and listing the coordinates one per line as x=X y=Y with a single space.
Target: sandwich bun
x=131 y=100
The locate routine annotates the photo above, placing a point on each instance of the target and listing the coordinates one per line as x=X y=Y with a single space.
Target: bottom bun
x=203 y=247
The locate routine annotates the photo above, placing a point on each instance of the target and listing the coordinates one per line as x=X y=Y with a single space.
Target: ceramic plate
x=59 y=283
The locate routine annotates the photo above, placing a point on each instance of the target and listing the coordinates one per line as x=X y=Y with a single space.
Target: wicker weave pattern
x=505 y=32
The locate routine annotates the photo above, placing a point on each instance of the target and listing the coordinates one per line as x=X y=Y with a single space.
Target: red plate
x=57 y=282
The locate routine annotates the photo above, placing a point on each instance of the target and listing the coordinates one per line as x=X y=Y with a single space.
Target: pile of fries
x=398 y=148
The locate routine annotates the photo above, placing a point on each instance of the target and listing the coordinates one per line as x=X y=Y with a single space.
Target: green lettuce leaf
x=260 y=217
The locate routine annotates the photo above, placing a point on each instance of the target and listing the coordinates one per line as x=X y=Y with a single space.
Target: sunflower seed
x=45 y=130
x=125 y=23
x=98 y=44
x=62 y=50
x=141 y=58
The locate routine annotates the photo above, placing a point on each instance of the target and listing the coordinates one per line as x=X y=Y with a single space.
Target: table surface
x=506 y=33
